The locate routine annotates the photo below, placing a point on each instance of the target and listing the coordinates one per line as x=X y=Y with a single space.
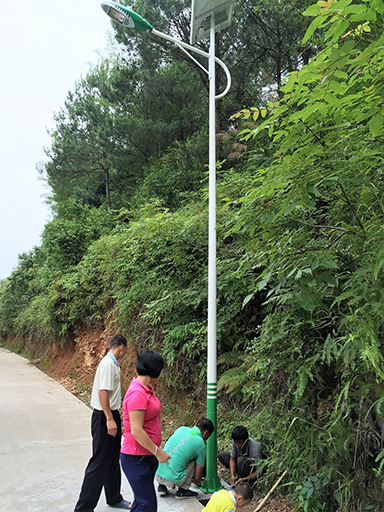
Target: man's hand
x=198 y=475
x=232 y=469
x=104 y=402
x=162 y=456
x=111 y=427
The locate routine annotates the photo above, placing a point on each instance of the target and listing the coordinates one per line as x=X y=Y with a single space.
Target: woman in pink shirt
x=141 y=452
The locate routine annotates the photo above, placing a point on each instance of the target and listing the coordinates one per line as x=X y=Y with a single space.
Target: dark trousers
x=244 y=465
x=140 y=472
x=103 y=468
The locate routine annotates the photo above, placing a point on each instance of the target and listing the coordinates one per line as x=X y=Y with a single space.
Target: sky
x=46 y=46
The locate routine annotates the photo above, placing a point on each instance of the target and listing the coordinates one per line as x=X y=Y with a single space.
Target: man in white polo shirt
x=103 y=468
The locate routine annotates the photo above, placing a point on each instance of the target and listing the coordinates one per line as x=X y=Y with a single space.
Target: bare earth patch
x=279 y=504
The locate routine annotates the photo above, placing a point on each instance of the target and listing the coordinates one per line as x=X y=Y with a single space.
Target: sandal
x=124 y=504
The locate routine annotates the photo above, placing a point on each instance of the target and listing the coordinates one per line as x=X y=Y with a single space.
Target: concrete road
x=45 y=444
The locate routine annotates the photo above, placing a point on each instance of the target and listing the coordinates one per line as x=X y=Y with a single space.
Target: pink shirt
x=139 y=397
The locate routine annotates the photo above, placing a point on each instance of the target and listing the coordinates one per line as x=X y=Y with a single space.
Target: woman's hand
x=162 y=456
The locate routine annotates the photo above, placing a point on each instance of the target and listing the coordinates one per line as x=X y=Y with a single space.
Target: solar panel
x=203 y=10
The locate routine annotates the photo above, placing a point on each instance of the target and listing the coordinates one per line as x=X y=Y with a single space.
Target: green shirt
x=184 y=445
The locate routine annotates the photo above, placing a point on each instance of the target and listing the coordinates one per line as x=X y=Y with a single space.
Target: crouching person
x=243 y=459
x=187 y=450
x=230 y=501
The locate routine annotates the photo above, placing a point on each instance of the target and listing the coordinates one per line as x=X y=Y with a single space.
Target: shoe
x=162 y=490
x=124 y=504
x=182 y=494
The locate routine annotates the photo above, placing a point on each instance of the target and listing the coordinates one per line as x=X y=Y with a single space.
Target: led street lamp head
x=126 y=17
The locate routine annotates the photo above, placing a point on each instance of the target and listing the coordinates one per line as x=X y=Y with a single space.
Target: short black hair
x=117 y=340
x=205 y=424
x=149 y=363
x=240 y=433
x=244 y=489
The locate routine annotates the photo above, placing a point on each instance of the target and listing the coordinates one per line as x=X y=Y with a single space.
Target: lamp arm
x=192 y=58
x=191 y=48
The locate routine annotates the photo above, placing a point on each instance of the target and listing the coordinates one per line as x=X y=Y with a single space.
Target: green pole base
x=211 y=485
x=211 y=481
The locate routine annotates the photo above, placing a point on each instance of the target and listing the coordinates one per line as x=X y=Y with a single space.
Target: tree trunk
x=107 y=192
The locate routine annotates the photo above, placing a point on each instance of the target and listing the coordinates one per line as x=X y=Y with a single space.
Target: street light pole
x=212 y=482
x=130 y=19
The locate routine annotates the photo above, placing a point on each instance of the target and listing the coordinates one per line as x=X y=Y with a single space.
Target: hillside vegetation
x=300 y=257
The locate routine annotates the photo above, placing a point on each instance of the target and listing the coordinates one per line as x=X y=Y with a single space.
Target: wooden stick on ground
x=262 y=502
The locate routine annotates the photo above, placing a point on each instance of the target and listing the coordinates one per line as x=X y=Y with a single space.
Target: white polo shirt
x=107 y=377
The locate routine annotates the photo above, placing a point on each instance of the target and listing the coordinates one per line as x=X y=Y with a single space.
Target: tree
x=117 y=119
x=86 y=144
x=19 y=289
x=75 y=226
x=316 y=221
x=262 y=45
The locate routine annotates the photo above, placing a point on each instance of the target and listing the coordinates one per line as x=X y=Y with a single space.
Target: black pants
x=244 y=465
x=103 y=468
